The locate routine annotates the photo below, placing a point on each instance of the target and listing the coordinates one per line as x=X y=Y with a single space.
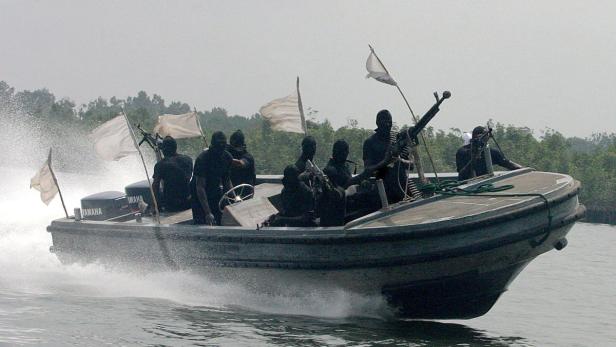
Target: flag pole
x=420 y=170
x=132 y=135
x=301 y=108
x=55 y=181
x=199 y=125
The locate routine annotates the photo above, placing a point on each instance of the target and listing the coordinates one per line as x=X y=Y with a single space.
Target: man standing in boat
x=243 y=165
x=211 y=180
x=378 y=154
x=174 y=170
x=470 y=158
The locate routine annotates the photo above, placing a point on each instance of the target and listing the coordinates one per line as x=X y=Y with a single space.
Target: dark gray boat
x=447 y=256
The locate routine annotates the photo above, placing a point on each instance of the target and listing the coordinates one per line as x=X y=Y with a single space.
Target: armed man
x=384 y=148
x=243 y=164
x=471 y=160
x=334 y=200
x=174 y=170
x=337 y=169
x=309 y=148
x=379 y=153
x=211 y=180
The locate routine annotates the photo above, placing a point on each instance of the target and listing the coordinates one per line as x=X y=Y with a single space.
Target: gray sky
x=528 y=63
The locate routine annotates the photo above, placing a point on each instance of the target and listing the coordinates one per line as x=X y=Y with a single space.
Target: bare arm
x=226 y=184
x=386 y=160
x=239 y=163
x=156 y=189
x=510 y=165
x=202 y=196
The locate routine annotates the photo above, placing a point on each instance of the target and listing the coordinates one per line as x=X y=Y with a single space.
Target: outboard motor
x=138 y=191
x=104 y=206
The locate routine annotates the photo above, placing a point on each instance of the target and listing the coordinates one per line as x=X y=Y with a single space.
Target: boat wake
x=28 y=267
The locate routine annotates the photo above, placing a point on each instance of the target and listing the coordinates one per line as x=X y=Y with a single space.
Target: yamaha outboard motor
x=139 y=191
x=104 y=206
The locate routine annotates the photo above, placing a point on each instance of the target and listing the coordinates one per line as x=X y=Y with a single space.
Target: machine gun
x=323 y=180
x=153 y=141
x=409 y=137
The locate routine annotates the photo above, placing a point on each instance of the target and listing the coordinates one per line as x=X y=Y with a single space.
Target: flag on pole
x=45 y=182
x=178 y=126
x=113 y=139
x=377 y=70
x=286 y=114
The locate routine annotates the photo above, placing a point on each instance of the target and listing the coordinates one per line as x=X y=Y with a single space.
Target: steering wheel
x=236 y=195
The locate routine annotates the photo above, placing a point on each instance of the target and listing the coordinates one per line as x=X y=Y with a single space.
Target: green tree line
x=591 y=160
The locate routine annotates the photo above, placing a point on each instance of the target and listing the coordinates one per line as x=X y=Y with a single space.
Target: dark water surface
x=565 y=298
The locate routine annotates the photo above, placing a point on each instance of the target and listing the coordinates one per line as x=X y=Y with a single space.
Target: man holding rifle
x=470 y=159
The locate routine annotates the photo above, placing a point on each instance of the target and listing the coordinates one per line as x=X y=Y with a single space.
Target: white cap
x=466 y=137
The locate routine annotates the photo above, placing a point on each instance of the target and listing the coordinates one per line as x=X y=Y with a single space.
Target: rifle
x=410 y=135
x=318 y=173
x=152 y=141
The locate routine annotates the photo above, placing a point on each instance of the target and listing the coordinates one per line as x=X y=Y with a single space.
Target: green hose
x=451 y=188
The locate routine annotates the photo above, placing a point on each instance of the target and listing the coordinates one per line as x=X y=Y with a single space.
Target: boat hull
x=442 y=269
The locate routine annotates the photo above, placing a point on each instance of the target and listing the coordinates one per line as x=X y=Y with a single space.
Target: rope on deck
x=451 y=188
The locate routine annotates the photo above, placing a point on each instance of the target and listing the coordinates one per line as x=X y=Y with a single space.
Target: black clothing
x=214 y=167
x=296 y=206
x=242 y=175
x=374 y=149
x=338 y=173
x=296 y=200
x=300 y=164
x=463 y=159
x=394 y=177
x=332 y=206
x=175 y=172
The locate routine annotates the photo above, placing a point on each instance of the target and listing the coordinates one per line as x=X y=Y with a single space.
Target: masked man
x=243 y=165
x=210 y=180
x=174 y=171
x=470 y=160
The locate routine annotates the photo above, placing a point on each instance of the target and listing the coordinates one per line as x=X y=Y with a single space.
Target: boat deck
x=439 y=212
x=454 y=208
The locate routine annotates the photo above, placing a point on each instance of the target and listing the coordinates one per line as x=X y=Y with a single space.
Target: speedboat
x=447 y=256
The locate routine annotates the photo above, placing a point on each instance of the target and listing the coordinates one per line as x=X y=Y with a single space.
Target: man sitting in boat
x=309 y=148
x=243 y=165
x=174 y=170
x=470 y=158
x=297 y=201
x=379 y=154
x=334 y=202
x=210 y=180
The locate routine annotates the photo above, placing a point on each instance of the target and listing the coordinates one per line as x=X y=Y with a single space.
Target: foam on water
x=27 y=266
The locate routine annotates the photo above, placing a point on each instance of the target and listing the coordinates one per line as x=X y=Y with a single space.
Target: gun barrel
x=423 y=122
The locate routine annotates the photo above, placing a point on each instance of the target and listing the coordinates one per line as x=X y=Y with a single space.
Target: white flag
x=286 y=114
x=113 y=139
x=178 y=126
x=377 y=71
x=44 y=182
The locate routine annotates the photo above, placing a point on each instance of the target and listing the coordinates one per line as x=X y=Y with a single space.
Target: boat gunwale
x=316 y=235
x=484 y=246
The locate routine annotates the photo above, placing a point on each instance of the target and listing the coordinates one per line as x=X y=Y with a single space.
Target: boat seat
x=176 y=217
x=248 y=213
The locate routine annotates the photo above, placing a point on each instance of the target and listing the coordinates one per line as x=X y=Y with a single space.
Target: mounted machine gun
x=409 y=136
x=153 y=141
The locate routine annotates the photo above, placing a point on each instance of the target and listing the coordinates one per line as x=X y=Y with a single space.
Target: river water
x=565 y=298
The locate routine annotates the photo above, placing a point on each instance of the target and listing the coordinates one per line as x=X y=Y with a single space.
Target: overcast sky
x=527 y=63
